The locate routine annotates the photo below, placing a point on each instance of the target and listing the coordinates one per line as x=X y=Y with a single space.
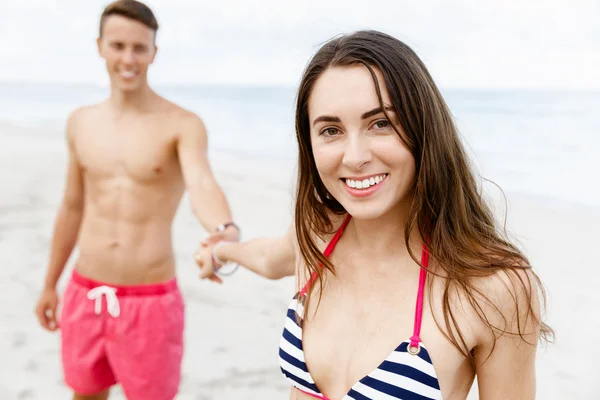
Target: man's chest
x=140 y=154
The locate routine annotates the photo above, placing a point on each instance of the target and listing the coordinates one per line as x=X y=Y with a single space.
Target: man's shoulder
x=83 y=113
x=187 y=121
x=81 y=117
x=181 y=113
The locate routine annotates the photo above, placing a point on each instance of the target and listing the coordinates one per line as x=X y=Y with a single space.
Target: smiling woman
x=353 y=140
x=407 y=286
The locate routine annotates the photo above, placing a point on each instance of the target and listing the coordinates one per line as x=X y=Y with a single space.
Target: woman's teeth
x=365 y=183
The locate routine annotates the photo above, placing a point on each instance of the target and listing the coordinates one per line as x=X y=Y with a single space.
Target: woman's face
x=361 y=160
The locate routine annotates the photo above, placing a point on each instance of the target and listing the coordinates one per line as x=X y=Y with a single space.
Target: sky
x=471 y=44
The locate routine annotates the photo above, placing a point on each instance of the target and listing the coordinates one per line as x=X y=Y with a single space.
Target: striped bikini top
x=407 y=373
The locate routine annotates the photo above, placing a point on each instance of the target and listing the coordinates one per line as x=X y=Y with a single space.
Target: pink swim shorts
x=132 y=335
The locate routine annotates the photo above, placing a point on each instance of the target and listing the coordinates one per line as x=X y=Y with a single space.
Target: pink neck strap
x=327 y=252
x=416 y=337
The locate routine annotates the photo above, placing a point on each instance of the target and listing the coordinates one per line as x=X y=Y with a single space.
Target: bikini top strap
x=328 y=250
x=336 y=237
x=416 y=337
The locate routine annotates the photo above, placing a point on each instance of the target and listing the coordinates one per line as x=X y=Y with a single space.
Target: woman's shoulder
x=478 y=311
x=505 y=302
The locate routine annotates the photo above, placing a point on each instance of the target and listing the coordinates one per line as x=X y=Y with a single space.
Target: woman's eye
x=329 y=131
x=382 y=124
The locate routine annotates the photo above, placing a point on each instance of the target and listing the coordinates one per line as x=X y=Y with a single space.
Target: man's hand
x=204 y=257
x=230 y=234
x=45 y=309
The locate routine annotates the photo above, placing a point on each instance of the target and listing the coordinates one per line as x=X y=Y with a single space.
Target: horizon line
x=266 y=85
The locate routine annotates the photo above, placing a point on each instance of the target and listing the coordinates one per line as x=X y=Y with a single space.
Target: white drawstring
x=112 y=302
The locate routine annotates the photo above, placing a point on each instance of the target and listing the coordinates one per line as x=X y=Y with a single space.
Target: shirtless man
x=130 y=159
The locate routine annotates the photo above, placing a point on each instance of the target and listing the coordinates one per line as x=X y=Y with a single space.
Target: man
x=130 y=159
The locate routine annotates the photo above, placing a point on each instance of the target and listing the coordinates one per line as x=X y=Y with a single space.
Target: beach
x=232 y=330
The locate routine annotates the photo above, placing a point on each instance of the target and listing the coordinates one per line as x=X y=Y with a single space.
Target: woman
x=407 y=288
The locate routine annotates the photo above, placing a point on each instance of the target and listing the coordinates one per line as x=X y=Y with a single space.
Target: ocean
x=541 y=143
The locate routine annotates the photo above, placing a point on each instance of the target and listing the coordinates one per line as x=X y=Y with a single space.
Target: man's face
x=128 y=48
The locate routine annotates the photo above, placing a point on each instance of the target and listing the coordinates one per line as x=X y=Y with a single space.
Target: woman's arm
x=505 y=362
x=270 y=257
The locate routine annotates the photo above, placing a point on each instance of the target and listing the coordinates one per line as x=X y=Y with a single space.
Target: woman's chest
x=352 y=338
x=351 y=334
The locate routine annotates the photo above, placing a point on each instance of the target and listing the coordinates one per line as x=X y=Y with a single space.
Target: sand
x=232 y=331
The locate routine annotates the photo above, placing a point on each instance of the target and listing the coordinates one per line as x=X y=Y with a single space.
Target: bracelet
x=222 y=227
x=217 y=261
x=214 y=253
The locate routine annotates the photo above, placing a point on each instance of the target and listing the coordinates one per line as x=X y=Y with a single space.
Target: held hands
x=206 y=257
x=45 y=309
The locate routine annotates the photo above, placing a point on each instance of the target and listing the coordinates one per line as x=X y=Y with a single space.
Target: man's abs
x=123 y=253
x=125 y=236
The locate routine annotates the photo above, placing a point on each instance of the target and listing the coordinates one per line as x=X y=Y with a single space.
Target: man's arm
x=66 y=230
x=208 y=200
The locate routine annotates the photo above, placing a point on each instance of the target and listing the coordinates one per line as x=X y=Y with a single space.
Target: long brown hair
x=448 y=209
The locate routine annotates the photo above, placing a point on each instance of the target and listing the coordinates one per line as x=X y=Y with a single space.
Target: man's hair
x=131 y=9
